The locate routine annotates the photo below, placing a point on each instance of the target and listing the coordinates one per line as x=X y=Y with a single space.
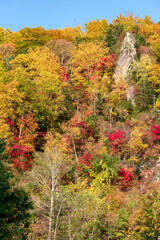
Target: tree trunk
x=51 y=208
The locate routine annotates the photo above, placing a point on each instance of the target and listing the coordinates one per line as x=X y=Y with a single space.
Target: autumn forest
x=80 y=131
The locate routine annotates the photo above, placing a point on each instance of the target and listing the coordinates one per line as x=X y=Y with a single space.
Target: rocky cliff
x=126 y=58
x=127 y=55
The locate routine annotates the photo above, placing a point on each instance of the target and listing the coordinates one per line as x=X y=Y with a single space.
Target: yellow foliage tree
x=129 y=22
x=10 y=99
x=149 y=30
x=42 y=68
x=136 y=144
x=70 y=33
x=96 y=29
x=86 y=57
x=147 y=69
x=84 y=67
x=5 y=35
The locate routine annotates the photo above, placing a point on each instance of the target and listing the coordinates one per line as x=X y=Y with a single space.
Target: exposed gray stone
x=127 y=55
x=126 y=58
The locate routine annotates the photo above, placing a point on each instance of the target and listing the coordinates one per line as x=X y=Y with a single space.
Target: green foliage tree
x=145 y=96
x=15 y=204
x=140 y=41
x=112 y=36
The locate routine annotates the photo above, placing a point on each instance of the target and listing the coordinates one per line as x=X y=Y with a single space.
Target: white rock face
x=127 y=55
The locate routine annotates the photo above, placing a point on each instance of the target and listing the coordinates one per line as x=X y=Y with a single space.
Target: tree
x=82 y=209
x=85 y=72
x=114 y=37
x=144 y=220
x=7 y=50
x=70 y=34
x=85 y=58
x=62 y=48
x=117 y=142
x=15 y=204
x=147 y=80
x=128 y=22
x=5 y=35
x=41 y=69
x=31 y=38
x=156 y=47
x=146 y=28
x=136 y=144
x=99 y=171
x=24 y=143
x=144 y=96
x=27 y=130
x=44 y=180
x=126 y=178
x=96 y=29
x=10 y=99
x=140 y=41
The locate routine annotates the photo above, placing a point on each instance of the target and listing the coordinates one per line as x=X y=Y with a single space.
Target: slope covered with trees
x=84 y=157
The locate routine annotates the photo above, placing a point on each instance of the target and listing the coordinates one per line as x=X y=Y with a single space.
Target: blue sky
x=54 y=14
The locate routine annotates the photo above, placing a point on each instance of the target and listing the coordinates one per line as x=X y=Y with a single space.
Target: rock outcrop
x=127 y=55
x=126 y=58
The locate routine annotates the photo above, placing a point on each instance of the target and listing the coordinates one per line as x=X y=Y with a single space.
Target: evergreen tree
x=14 y=204
x=144 y=96
x=140 y=41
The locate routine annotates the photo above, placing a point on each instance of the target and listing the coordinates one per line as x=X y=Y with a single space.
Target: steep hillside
x=80 y=119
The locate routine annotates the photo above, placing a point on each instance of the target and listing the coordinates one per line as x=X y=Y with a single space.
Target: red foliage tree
x=143 y=50
x=24 y=142
x=21 y=157
x=64 y=75
x=156 y=132
x=84 y=161
x=9 y=122
x=107 y=62
x=125 y=178
x=85 y=130
x=116 y=141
